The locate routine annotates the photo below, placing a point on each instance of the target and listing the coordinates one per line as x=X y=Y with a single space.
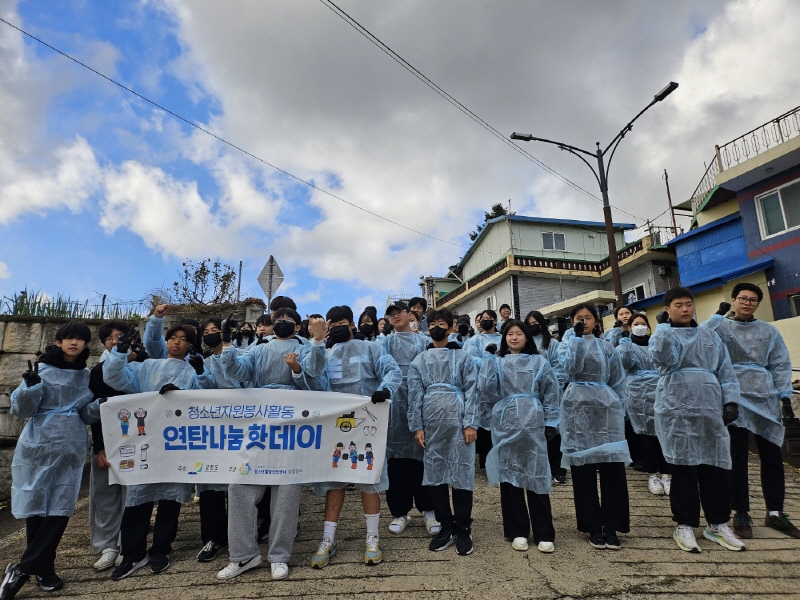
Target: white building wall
x=536 y=292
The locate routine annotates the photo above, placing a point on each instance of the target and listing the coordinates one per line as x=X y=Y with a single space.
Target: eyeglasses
x=113 y=338
x=746 y=300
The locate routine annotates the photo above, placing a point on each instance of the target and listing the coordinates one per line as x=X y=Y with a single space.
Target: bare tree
x=205 y=282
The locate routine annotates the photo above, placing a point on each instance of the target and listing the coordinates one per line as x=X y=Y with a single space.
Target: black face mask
x=284 y=329
x=340 y=333
x=463 y=329
x=437 y=333
x=487 y=324
x=640 y=340
x=212 y=340
x=535 y=329
x=367 y=329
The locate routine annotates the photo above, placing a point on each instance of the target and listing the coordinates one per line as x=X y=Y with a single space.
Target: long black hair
x=598 y=328
x=539 y=318
x=530 y=344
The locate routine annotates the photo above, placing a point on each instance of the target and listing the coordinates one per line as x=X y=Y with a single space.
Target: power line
x=453 y=101
x=226 y=142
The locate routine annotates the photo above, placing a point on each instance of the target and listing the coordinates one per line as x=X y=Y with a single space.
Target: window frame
x=794 y=304
x=554 y=234
x=762 y=226
x=642 y=285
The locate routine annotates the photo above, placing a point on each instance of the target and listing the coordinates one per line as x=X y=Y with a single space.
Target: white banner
x=255 y=436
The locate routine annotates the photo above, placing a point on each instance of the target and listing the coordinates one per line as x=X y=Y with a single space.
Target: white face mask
x=639 y=330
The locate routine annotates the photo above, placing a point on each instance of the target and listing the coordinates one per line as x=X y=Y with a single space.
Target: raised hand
x=579 y=328
x=196 y=360
x=125 y=340
x=31 y=376
x=291 y=360
x=317 y=328
x=228 y=325
x=160 y=310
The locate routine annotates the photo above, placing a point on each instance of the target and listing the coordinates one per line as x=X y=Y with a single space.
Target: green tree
x=497 y=210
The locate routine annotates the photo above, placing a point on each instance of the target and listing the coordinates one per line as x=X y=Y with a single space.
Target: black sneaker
x=159 y=563
x=612 y=541
x=13 y=580
x=560 y=478
x=464 y=541
x=209 y=552
x=49 y=583
x=263 y=531
x=638 y=466
x=597 y=540
x=443 y=540
x=128 y=568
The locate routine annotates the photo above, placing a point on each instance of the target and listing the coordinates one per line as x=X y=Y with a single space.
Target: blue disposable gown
x=523 y=393
x=697 y=379
x=442 y=401
x=50 y=455
x=764 y=371
x=153 y=340
x=476 y=345
x=264 y=365
x=613 y=335
x=150 y=376
x=360 y=367
x=454 y=337
x=640 y=393
x=592 y=414
x=552 y=357
x=404 y=348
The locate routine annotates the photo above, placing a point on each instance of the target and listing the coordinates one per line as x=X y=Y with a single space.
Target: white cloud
x=5 y=272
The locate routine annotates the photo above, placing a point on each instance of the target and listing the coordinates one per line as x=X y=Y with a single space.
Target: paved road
x=648 y=566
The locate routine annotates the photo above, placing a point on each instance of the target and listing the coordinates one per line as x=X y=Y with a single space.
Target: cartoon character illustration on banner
x=337 y=454
x=140 y=415
x=369 y=456
x=353 y=455
x=124 y=416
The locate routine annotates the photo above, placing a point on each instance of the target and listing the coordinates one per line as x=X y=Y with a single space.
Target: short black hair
x=747 y=287
x=282 y=302
x=677 y=292
x=191 y=333
x=106 y=328
x=215 y=320
x=640 y=315
x=190 y=321
x=75 y=330
x=444 y=314
x=368 y=313
x=488 y=311
x=264 y=320
x=417 y=300
x=502 y=306
x=338 y=313
x=371 y=309
x=290 y=313
x=619 y=308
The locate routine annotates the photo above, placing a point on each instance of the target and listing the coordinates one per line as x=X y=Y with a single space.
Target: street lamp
x=601 y=175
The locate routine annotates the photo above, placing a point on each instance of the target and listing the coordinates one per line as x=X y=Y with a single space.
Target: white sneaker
x=107 y=559
x=433 y=526
x=684 y=537
x=723 y=535
x=655 y=486
x=666 y=483
x=279 y=570
x=520 y=544
x=546 y=547
x=237 y=568
x=398 y=525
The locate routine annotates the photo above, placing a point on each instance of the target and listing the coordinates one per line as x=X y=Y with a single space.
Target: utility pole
x=239 y=287
x=671 y=208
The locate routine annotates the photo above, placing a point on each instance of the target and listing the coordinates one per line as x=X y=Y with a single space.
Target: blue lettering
x=273 y=437
x=303 y=430
x=319 y=438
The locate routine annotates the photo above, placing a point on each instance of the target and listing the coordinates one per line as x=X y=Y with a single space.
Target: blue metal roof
x=704 y=228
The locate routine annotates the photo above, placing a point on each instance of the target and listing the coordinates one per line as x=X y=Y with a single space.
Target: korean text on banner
x=256 y=436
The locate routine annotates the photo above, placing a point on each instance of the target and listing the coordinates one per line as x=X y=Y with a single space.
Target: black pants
x=43 y=535
x=773 y=481
x=405 y=487
x=652 y=455
x=462 y=506
x=714 y=486
x=136 y=522
x=263 y=513
x=634 y=442
x=482 y=445
x=554 y=456
x=614 y=512
x=213 y=517
x=516 y=514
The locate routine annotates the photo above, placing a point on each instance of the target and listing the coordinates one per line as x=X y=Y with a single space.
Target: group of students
x=528 y=404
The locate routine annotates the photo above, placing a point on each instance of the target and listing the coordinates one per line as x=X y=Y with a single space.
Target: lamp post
x=601 y=175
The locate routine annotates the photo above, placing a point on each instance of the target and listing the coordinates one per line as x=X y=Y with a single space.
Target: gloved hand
x=787 y=414
x=387 y=328
x=550 y=433
x=168 y=387
x=578 y=328
x=126 y=339
x=617 y=323
x=662 y=317
x=228 y=325
x=380 y=396
x=491 y=348
x=626 y=333
x=724 y=308
x=31 y=376
x=141 y=354
x=730 y=412
x=196 y=360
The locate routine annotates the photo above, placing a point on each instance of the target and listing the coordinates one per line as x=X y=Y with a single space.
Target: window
x=779 y=210
x=553 y=241
x=794 y=301
x=634 y=294
x=491 y=302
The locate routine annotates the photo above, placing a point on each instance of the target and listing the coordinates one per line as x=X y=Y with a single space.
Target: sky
x=103 y=193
